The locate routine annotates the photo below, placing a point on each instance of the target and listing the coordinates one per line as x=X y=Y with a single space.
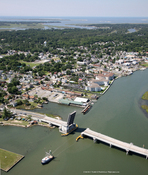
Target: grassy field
x=145 y=65
x=145 y=96
x=31 y=64
x=9 y=159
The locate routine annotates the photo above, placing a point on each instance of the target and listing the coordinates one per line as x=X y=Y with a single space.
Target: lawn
x=8 y=159
x=31 y=64
x=145 y=65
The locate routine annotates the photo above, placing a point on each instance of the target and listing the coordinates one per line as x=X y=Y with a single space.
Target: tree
x=68 y=72
x=26 y=102
x=6 y=114
x=19 y=102
x=13 y=90
x=44 y=98
x=46 y=79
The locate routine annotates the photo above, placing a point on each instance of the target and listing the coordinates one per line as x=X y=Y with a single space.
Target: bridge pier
x=127 y=147
x=94 y=139
x=127 y=152
x=50 y=124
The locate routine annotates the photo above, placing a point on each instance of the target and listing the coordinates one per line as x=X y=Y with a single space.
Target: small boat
x=48 y=157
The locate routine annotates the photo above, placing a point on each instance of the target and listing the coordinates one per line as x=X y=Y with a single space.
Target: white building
x=82 y=100
x=93 y=87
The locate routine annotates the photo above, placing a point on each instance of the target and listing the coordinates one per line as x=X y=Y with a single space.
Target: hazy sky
x=98 y=8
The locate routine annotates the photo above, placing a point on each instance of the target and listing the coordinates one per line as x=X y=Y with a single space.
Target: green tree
x=6 y=113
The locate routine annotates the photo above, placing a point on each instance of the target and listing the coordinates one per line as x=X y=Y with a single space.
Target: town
x=75 y=76
x=93 y=76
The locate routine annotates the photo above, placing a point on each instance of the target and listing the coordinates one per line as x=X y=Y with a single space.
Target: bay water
x=116 y=114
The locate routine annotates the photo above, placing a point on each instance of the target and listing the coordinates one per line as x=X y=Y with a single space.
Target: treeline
x=32 y=40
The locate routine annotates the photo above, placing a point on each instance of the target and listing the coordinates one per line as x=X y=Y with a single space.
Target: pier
x=114 y=142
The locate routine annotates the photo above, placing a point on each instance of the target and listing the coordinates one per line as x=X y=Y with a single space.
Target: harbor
x=116 y=114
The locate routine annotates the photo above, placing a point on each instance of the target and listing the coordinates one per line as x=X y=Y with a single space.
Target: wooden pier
x=114 y=142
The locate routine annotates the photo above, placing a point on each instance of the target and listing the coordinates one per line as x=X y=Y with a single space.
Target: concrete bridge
x=114 y=142
x=64 y=126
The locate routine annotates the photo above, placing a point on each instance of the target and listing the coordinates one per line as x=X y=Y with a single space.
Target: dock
x=114 y=142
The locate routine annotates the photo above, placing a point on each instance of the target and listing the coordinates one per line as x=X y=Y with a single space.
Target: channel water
x=116 y=114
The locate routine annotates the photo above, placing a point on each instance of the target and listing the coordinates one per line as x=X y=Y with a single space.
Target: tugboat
x=47 y=158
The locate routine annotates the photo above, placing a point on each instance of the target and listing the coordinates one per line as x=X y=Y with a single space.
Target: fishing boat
x=48 y=157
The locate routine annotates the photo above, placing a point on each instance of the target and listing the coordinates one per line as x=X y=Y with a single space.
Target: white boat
x=48 y=157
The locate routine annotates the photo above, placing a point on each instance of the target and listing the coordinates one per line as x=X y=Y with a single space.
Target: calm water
x=75 y=22
x=116 y=114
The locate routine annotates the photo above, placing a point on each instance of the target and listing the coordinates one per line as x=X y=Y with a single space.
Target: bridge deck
x=41 y=117
x=54 y=121
x=115 y=142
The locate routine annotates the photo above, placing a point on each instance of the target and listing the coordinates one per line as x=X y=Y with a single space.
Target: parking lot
x=52 y=96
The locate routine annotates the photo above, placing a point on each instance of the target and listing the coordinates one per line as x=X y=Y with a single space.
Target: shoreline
x=17 y=125
x=4 y=123
x=143 y=102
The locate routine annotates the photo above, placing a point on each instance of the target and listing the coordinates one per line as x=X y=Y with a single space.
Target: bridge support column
x=110 y=145
x=146 y=156
x=127 y=152
x=94 y=139
x=50 y=124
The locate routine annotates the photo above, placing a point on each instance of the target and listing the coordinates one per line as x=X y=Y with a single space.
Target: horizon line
x=82 y=16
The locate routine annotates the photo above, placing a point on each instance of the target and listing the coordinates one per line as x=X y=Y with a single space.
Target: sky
x=67 y=8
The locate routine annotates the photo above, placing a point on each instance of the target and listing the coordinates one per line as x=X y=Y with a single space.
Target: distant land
x=22 y=22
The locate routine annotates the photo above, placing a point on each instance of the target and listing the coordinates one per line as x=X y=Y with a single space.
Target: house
x=31 y=98
x=13 y=103
x=101 y=82
x=81 y=63
x=25 y=96
x=93 y=87
x=107 y=75
x=2 y=107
